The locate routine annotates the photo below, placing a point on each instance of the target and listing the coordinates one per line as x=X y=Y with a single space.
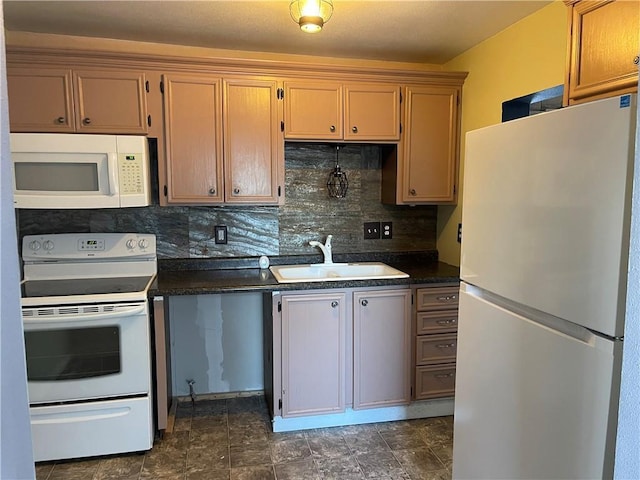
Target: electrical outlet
x=459 y=233
x=387 y=230
x=371 y=230
x=220 y=232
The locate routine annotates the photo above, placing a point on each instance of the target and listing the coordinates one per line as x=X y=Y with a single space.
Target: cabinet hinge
x=161 y=87
x=279 y=404
x=279 y=306
x=400 y=96
x=279 y=191
x=149 y=120
x=401 y=128
x=454 y=189
x=280 y=94
x=411 y=390
x=166 y=191
x=282 y=126
x=412 y=299
x=146 y=85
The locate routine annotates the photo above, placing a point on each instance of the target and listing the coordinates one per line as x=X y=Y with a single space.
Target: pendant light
x=311 y=15
x=337 y=183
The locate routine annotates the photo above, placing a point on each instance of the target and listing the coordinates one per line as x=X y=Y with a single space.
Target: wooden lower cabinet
x=313 y=353
x=333 y=349
x=436 y=317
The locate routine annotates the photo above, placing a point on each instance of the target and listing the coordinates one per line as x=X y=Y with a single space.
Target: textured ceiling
x=427 y=31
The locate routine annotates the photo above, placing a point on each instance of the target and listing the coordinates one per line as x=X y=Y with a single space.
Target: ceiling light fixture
x=311 y=15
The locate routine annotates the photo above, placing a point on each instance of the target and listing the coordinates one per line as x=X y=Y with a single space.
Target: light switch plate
x=220 y=232
x=371 y=230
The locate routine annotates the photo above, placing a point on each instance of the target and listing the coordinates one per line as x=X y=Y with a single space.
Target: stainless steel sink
x=327 y=272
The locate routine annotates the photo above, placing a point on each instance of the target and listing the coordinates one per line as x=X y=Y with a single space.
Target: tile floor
x=231 y=440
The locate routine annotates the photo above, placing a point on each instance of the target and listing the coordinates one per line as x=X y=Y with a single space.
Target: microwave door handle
x=113 y=173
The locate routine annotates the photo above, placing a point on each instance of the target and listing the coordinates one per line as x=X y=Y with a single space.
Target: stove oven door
x=81 y=352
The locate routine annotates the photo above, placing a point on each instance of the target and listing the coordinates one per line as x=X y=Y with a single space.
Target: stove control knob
x=47 y=245
x=131 y=243
x=34 y=245
x=143 y=243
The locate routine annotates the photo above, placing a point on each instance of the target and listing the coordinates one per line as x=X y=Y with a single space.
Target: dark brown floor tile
x=264 y=472
x=418 y=462
x=184 y=410
x=214 y=436
x=208 y=458
x=339 y=468
x=243 y=404
x=279 y=436
x=398 y=426
x=163 y=463
x=299 y=470
x=403 y=439
x=444 y=454
x=210 y=407
x=43 y=470
x=247 y=434
x=81 y=469
x=250 y=455
x=328 y=447
x=435 y=475
x=286 y=451
x=174 y=441
x=381 y=465
x=366 y=442
x=437 y=434
x=209 y=475
x=182 y=424
x=333 y=432
x=357 y=429
x=120 y=467
x=207 y=422
x=247 y=418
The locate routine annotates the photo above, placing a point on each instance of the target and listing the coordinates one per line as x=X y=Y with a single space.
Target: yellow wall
x=526 y=57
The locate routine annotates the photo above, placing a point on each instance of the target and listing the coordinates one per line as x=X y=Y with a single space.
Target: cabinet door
x=312 y=111
x=313 y=354
x=381 y=348
x=253 y=143
x=110 y=102
x=429 y=150
x=193 y=138
x=372 y=112
x=605 y=44
x=40 y=100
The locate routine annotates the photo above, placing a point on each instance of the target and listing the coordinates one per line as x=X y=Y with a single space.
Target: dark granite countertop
x=241 y=274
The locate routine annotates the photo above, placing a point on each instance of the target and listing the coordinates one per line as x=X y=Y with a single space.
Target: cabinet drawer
x=436 y=349
x=437 y=298
x=435 y=381
x=437 y=322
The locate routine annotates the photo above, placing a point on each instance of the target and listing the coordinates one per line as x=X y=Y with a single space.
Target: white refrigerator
x=546 y=219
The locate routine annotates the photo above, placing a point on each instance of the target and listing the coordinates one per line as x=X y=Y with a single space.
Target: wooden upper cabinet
x=253 y=144
x=335 y=111
x=604 y=49
x=193 y=139
x=372 y=112
x=66 y=100
x=313 y=111
x=40 y=100
x=110 y=102
x=423 y=169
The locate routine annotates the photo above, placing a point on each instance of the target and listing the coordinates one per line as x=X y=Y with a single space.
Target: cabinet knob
x=332 y=128
x=61 y=120
x=412 y=191
x=364 y=302
x=334 y=304
x=636 y=60
x=86 y=121
x=212 y=191
x=354 y=129
x=236 y=191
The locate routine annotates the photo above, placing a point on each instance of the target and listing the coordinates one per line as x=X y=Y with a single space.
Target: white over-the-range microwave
x=59 y=170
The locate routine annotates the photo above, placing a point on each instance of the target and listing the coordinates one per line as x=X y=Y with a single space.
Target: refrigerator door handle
x=551 y=322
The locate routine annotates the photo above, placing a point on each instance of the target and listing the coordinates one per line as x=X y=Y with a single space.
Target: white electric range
x=87 y=339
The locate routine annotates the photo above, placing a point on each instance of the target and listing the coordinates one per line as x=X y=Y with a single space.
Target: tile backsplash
x=308 y=214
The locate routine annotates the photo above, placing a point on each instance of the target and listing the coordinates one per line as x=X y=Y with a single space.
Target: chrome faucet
x=326 y=248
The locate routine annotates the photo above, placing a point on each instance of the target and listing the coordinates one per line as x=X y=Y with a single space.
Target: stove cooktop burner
x=83 y=286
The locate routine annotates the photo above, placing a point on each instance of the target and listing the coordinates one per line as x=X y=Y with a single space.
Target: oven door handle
x=83 y=317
